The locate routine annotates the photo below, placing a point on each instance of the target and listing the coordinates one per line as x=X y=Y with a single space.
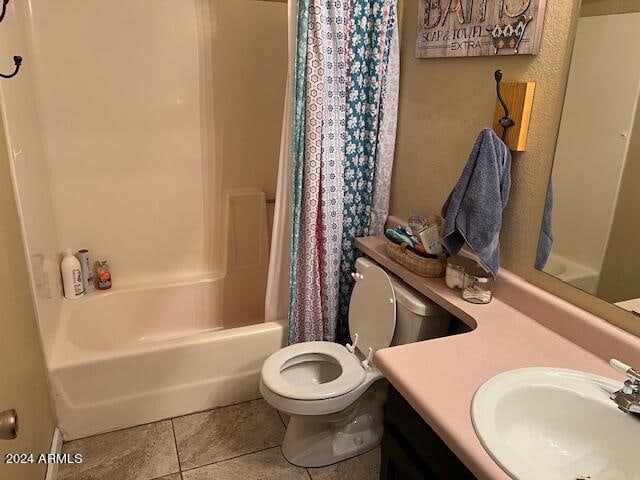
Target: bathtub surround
x=161 y=144
x=237 y=442
x=277 y=291
x=342 y=63
x=244 y=83
x=620 y=275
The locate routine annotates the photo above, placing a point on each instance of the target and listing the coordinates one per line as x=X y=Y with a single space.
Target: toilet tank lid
x=414 y=301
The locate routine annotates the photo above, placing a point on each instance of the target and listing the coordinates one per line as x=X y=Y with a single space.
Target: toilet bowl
x=334 y=394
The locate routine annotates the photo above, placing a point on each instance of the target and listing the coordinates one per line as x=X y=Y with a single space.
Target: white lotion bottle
x=71 y=276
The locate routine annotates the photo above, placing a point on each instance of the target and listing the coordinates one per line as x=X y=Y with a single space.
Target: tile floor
x=238 y=442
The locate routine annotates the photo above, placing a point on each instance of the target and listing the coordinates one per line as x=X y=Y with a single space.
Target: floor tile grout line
x=216 y=408
x=124 y=429
x=168 y=475
x=230 y=458
x=175 y=443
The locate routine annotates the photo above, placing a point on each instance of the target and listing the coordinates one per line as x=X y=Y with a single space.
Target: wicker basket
x=425 y=267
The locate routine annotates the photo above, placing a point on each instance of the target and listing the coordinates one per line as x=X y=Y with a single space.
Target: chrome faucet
x=628 y=397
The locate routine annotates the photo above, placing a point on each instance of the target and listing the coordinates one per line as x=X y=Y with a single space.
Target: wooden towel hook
x=513 y=111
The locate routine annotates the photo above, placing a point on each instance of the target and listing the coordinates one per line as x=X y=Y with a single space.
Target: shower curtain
x=337 y=156
x=277 y=295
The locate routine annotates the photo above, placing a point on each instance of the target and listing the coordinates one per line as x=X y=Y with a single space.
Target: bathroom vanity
x=522 y=327
x=411 y=450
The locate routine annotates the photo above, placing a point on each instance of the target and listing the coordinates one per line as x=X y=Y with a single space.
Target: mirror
x=590 y=235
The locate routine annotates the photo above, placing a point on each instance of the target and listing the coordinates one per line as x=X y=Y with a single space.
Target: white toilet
x=334 y=394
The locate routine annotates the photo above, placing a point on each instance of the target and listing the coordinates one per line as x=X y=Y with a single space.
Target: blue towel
x=546 y=234
x=473 y=211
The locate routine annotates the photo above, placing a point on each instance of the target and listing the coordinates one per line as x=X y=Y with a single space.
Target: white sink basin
x=555 y=424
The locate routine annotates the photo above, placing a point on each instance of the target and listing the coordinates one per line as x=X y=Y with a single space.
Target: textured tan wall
x=619 y=279
x=443 y=105
x=607 y=7
x=23 y=383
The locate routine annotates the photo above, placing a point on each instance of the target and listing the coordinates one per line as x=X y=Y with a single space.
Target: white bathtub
x=133 y=356
x=573 y=273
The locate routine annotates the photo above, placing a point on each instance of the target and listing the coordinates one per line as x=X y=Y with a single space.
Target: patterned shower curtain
x=343 y=138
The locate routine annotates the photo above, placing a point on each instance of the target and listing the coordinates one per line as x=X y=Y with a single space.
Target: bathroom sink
x=555 y=424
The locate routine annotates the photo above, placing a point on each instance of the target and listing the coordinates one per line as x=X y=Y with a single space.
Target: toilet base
x=324 y=440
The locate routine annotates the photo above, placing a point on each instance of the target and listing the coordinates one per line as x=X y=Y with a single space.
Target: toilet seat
x=372 y=322
x=352 y=373
x=372 y=309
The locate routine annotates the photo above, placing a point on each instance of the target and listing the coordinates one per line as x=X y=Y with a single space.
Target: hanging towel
x=546 y=234
x=473 y=211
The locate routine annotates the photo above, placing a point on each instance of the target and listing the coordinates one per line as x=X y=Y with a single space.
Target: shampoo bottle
x=71 y=276
x=87 y=270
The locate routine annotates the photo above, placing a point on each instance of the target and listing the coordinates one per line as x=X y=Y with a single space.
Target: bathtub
x=137 y=355
x=573 y=273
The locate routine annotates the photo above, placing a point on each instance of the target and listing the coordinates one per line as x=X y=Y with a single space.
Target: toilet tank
x=417 y=317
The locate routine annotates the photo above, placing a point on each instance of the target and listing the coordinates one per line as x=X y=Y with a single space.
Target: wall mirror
x=590 y=235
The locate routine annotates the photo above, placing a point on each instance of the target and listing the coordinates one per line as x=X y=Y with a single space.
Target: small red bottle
x=103 y=275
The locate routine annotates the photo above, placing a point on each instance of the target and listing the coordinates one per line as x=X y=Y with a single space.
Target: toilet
x=334 y=394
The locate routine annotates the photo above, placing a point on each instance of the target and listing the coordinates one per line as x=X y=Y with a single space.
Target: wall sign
x=474 y=28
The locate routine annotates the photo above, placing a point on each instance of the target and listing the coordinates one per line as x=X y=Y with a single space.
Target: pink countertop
x=517 y=329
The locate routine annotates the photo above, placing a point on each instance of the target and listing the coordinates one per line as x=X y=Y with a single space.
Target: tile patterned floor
x=238 y=442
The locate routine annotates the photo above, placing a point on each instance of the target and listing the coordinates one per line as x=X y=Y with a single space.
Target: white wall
x=29 y=167
x=602 y=95
x=119 y=93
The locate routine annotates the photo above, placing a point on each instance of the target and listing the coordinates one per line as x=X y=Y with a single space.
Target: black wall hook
x=18 y=62
x=4 y=9
x=506 y=121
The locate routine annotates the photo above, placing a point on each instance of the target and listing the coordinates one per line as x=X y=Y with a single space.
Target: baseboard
x=56 y=448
